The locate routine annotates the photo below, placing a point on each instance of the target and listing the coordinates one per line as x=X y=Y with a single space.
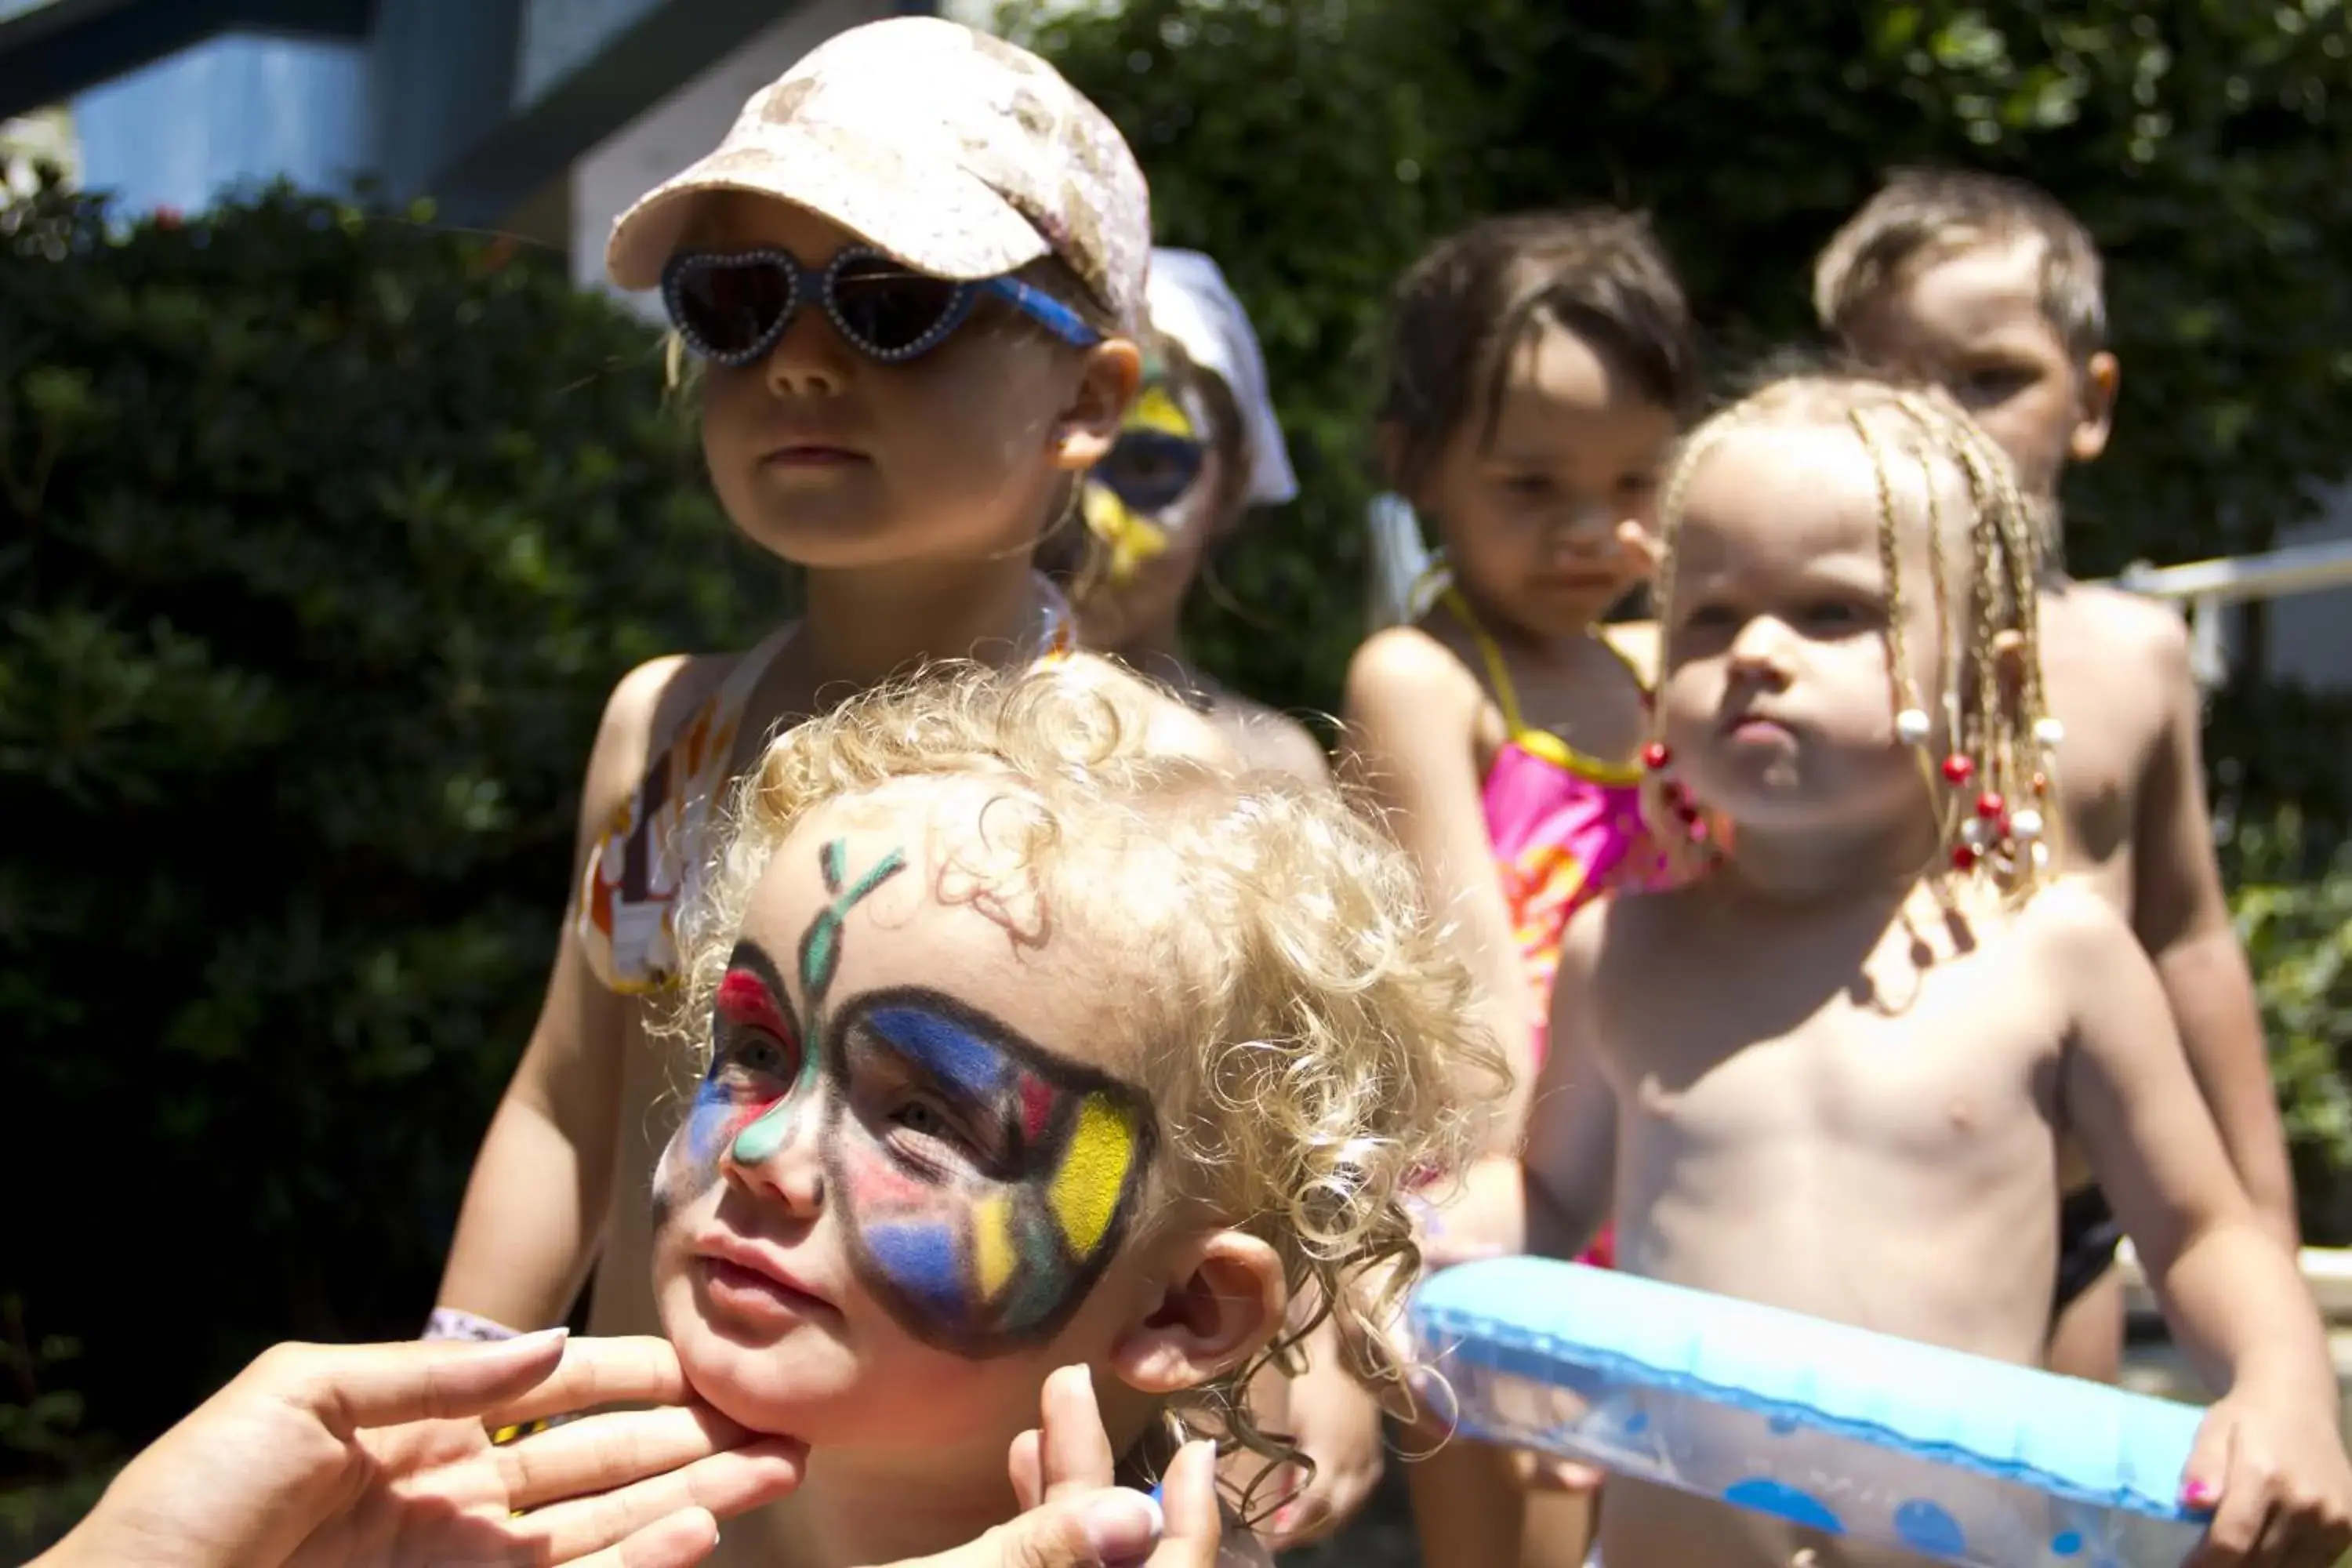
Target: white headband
x=1192 y=303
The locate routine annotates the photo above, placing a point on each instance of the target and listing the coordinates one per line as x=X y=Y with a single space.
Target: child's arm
x=535 y=1206
x=1410 y=713
x=1571 y=1153
x=2270 y=1451
x=2183 y=918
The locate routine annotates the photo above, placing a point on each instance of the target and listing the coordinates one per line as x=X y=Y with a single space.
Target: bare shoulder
x=2131 y=630
x=1271 y=741
x=2077 y=937
x=645 y=705
x=1169 y=726
x=1404 y=671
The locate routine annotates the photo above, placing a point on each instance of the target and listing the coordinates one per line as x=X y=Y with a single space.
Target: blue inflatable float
x=1857 y=1434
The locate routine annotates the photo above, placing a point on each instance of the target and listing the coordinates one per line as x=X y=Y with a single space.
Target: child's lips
x=749 y=1279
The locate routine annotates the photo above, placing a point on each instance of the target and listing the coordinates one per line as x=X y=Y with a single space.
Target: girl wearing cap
x=1200 y=448
x=911 y=279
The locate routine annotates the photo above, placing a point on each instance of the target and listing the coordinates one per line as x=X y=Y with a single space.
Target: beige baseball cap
x=955 y=152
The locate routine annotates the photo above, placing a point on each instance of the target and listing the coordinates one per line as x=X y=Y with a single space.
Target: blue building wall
x=236 y=109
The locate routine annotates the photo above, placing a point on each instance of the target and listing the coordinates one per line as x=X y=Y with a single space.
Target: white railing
x=2203 y=587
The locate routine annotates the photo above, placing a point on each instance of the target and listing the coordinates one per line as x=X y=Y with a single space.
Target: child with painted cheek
x=1022 y=1043
x=910 y=280
x=1200 y=451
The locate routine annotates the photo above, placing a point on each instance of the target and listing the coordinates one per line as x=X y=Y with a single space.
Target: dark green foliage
x=324 y=535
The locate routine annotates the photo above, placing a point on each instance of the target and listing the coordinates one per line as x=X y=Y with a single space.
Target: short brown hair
x=1925 y=214
x=1457 y=312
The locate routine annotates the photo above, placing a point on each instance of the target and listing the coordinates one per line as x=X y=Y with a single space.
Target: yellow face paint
x=992 y=1245
x=1094 y=1173
x=1134 y=537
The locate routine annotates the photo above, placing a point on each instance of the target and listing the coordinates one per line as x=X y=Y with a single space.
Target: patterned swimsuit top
x=650 y=855
x=1565 y=826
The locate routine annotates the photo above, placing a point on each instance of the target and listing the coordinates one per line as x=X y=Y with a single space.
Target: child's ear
x=1083 y=436
x=2095 y=414
x=1222 y=1303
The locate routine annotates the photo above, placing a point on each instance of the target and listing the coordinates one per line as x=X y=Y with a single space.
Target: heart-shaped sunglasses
x=732 y=307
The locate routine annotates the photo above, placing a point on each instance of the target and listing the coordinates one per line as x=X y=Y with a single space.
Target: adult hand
x=380 y=1457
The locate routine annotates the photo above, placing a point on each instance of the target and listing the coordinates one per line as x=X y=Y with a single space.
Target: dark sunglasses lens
x=887 y=308
x=1150 y=469
x=728 y=306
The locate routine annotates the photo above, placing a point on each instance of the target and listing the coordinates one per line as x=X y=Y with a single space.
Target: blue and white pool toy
x=1857 y=1434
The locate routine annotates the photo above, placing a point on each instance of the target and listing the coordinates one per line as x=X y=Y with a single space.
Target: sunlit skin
x=965 y=1057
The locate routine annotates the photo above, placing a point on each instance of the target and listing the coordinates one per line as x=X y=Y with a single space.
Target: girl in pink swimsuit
x=1540 y=368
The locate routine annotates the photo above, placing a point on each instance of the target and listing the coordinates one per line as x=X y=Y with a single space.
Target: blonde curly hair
x=1304 y=1045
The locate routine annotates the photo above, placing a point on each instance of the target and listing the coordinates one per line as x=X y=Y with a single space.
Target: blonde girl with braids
x=1834 y=1070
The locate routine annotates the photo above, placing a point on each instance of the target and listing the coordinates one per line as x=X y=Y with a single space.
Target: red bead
x=1990 y=805
x=1964 y=858
x=1655 y=755
x=1676 y=794
x=1957 y=769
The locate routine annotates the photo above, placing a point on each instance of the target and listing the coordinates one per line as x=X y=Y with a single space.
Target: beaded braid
x=1992 y=790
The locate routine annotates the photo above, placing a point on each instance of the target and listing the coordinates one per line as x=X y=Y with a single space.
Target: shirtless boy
x=1991 y=289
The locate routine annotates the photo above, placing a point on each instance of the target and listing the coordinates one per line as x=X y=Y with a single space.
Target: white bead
x=2049 y=732
x=1911 y=726
x=2026 y=824
x=2040 y=857
x=1976 y=831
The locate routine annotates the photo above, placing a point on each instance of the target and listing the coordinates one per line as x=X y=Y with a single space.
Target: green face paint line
x=819 y=955
x=820 y=947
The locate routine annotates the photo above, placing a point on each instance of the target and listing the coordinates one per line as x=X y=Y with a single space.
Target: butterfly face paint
x=981 y=1184
x=995 y=1185
x=1132 y=498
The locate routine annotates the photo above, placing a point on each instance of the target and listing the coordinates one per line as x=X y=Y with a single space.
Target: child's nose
x=780 y=1156
x=810 y=360
x=1762 y=646
x=1586 y=526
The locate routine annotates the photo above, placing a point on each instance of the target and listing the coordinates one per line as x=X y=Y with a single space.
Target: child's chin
x=776 y=1389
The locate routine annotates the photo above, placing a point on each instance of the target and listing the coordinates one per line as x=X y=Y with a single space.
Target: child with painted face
x=1991 y=290
x=1834 y=1070
x=912 y=275
x=1538 y=368
x=1200 y=448
x=1023 y=1043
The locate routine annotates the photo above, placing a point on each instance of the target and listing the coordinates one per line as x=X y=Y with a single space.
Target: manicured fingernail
x=2197 y=1494
x=1123 y=1526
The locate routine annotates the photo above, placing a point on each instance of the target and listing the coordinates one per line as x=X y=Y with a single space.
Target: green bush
x=324 y=535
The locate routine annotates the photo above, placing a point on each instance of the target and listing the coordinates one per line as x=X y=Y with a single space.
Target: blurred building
x=541 y=118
